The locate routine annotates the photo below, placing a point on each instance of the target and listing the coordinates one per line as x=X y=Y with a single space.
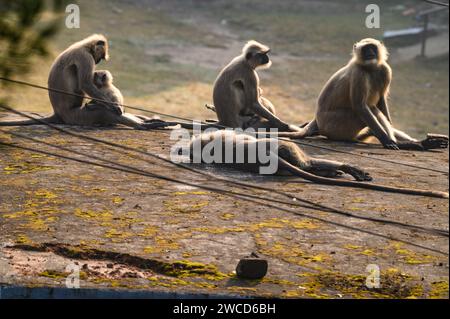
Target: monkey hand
x=390 y=144
x=115 y=108
x=435 y=141
x=357 y=173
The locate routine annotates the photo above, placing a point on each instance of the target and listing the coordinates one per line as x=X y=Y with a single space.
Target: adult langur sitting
x=353 y=104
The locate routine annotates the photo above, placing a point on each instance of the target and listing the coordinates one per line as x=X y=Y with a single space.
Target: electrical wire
x=187 y=120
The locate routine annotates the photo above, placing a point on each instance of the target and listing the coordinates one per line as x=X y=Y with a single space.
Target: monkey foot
x=357 y=173
x=435 y=141
x=395 y=146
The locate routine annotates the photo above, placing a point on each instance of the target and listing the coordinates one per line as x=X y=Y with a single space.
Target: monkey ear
x=248 y=56
x=101 y=42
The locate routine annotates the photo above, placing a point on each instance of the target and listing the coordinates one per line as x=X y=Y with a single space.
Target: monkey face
x=262 y=58
x=369 y=52
x=101 y=51
x=103 y=78
x=259 y=59
x=97 y=80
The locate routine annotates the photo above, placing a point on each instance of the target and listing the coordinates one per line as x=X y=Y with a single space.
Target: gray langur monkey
x=237 y=93
x=353 y=103
x=103 y=80
x=292 y=160
x=73 y=72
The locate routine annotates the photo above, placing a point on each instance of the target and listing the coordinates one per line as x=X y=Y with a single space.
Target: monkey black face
x=101 y=51
x=369 y=52
x=258 y=59
x=262 y=58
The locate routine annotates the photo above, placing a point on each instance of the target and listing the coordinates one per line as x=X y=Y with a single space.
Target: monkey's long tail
x=307 y=130
x=330 y=181
x=54 y=119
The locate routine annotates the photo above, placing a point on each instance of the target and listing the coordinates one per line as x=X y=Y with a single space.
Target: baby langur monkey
x=103 y=80
x=294 y=161
x=353 y=105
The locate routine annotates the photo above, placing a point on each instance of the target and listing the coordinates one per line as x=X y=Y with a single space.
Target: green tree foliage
x=25 y=29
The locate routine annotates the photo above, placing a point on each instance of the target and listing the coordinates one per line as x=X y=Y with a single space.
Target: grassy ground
x=158 y=49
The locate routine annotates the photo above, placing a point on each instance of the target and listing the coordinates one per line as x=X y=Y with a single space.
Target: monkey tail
x=54 y=119
x=307 y=130
x=330 y=181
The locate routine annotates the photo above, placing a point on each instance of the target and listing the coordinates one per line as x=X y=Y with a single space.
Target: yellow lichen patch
x=19 y=215
x=117 y=235
x=102 y=216
x=185 y=206
x=411 y=257
x=166 y=243
x=309 y=291
x=24 y=168
x=439 y=290
x=162 y=245
x=42 y=193
x=290 y=254
x=393 y=284
x=36 y=224
x=203 y=285
x=281 y=223
x=199 y=205
x=149 y=231
x=292 y=294
x=185 y=268
x=191 y=193
x=54 y=274
x=305 y=224
x=271 y=223
x=23 y=239
x=89 y=191
x=118 y=200
x=350 y=246
x=368 y=252
x=152 y=250
x=227 y=216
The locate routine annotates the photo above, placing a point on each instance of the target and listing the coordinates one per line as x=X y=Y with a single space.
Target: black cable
x=437 y=2
x=311 y=205
x=224 y=127
x=239 y=196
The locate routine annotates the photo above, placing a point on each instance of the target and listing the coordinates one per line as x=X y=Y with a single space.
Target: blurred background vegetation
x=165 y=55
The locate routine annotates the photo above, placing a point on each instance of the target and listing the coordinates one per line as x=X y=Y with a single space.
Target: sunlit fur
x=103 y=79
x=383 y=53
x=255 y=47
